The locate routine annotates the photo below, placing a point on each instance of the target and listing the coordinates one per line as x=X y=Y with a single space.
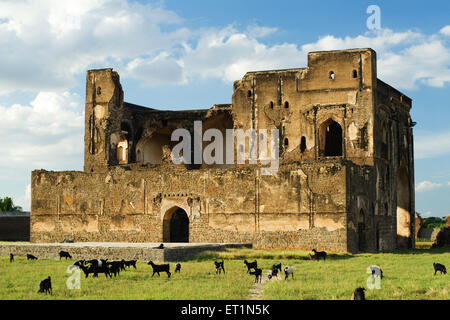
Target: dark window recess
x=331 y=139
x=332 y=75
x=249 y=93
x=286 y=142
x=271 y=104
x=355 y=74
x=99 y=91
x=286 y=105
x=303 y=144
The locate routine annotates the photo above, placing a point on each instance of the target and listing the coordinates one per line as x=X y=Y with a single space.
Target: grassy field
x=408 y=274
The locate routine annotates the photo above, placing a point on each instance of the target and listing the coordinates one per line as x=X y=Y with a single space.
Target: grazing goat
x=275 y=269
x=288 y=271
x=277 y=266
x=178 y=267
x=160 y=268
x=439 y=267
x=358 y=294
x=96 y=269
x=64 y=254
x=97 y=262
x=251 y=265
x=129 y=263
x=46 y=286
x=67 y=240
x=80 y=263
x=114 y=267
x=11 y=258
x=258 y=274
x=31 y=257
x=318 y=254
x=219 y=267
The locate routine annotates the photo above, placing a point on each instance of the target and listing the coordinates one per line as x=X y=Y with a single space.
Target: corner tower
x=103 y=111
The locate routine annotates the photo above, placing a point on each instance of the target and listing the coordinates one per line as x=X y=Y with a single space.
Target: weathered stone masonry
x=345 y=181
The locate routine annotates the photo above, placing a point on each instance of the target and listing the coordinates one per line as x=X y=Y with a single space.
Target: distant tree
x=433 y=222
x=7 y=204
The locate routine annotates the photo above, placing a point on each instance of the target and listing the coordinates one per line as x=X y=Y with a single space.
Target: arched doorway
x=330 y=139
x=176 y=226
x=403 y=208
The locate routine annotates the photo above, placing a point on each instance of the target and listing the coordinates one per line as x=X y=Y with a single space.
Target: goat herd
x=110 y=268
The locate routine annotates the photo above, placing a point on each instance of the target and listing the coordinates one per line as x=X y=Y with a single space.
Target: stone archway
x=330 y=139
x=176 y=225
x=403 y=208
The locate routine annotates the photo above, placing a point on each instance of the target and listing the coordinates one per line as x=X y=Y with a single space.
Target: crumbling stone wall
x=345 y=182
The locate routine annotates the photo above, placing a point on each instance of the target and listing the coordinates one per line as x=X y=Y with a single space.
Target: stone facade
x=345 y=180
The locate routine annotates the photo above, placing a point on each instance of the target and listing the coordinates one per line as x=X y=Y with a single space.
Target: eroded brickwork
x=345 y=181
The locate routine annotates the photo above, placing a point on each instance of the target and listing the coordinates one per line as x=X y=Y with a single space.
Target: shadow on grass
x=251 y=254
x=419 y=251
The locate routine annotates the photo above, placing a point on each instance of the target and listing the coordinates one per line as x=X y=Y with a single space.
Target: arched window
x=249 y=93
x=331 y=75
x=271 y=104
x=330 y=139
x=99 y=91
x=355 y=74
x=286 y=105
x=286 y=142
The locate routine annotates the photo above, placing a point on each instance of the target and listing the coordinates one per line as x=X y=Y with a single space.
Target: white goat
x=288 y=271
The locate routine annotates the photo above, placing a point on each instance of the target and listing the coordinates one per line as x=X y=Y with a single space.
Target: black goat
x=251 y=265
x=439 y=267
x=115 y=267
x=129 y=263
x=80 y=263
x=96 y=269
x=161 y=246
x=358 y=294
x=31 y=257
x=319 y=254
x=97 y=262
x=46 y=286
x=64 y=254
x=178 y=267
x=219 y=267
x=11 y=258
x=258 y=274
x=67 y=240
x=275 y=269
x=157 y=268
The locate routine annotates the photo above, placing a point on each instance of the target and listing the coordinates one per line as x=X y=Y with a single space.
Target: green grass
x=408 y=275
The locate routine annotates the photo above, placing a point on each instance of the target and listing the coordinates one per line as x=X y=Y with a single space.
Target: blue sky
x=185 y=54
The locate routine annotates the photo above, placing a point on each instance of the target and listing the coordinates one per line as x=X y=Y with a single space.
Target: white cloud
x=445 y=30
x=25 y=200
x=47 y=132
x=427 y=214
x=427 y=186
x=431 y=144
x=45 y=43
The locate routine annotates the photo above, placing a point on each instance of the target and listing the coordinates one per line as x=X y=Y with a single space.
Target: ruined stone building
x=345 y=179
